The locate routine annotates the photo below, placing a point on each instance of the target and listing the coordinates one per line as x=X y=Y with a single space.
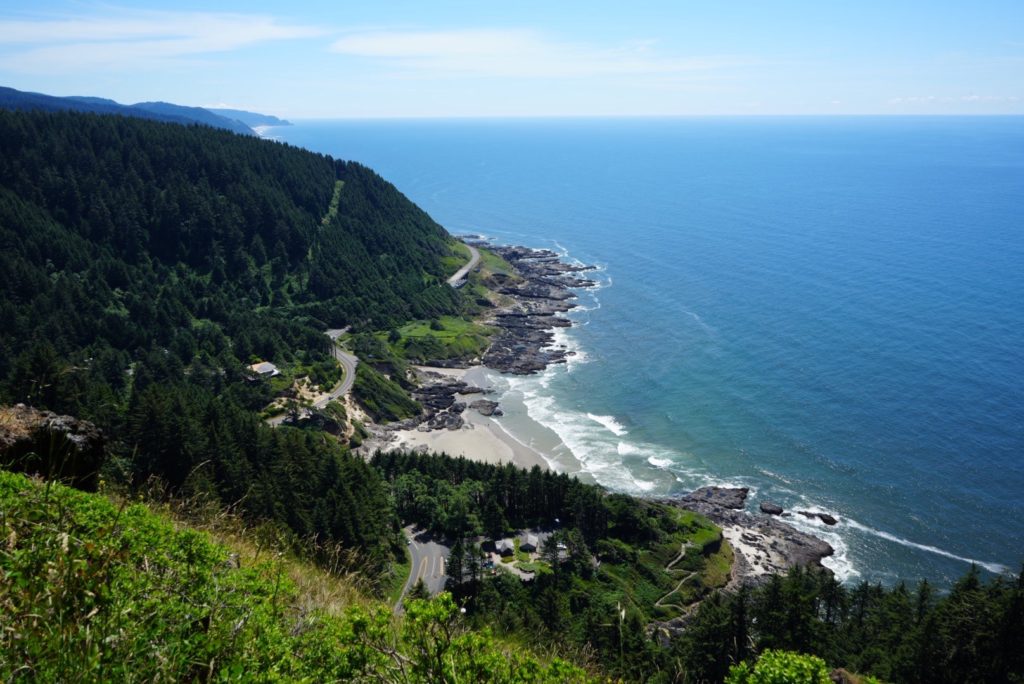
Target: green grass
x=492 y=272
x=325 y=374
x=93 y=591
x=400 y=573
x=718 y=567
x=96 y=591
x=643 y=582
x=456 y=261
x=449 y=337
x=272 y=411
x=491 y=263
x=382 y=398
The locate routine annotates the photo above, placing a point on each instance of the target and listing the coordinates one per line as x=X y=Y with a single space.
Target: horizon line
x=496 y=117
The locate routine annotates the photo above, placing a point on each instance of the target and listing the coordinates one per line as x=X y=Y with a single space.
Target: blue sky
x=400 y=58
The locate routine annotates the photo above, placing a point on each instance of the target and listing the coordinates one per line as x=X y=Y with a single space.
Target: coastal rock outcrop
x=52 y=445
x=771 y=508
x=438 y=396
x=525 y=342
x=486 y=407
x=823 y=517
x=762 y=545
x=724 y=497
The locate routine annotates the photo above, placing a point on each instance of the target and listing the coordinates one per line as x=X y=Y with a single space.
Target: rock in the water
x=823 y=517
x=725 y=497
x=55 y=446
x=771 y=508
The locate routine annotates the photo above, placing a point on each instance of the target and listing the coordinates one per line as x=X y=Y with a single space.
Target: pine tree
x=455 y=564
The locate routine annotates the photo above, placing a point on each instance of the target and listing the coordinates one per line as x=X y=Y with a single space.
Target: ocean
x=829 y=311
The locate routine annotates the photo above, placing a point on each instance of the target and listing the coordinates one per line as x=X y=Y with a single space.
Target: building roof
x=264 y=368
x=505 y=545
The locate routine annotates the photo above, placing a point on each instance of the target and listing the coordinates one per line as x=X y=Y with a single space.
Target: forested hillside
x=146 y=264
x=153 y=111
x=634 y=587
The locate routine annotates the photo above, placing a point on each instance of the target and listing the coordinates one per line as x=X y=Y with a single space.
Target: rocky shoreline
x=534 y=307
x=523 y=345
x=762 y=544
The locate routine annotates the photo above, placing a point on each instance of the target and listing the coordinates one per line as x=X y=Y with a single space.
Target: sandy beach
x=480 y=439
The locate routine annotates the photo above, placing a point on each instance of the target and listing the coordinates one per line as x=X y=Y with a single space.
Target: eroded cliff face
x=48 y=444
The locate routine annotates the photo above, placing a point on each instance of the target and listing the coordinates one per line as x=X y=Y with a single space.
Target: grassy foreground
x=91 y=590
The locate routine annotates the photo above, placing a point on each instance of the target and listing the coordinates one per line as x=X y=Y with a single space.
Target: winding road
x=348 y=365
x=460 y=275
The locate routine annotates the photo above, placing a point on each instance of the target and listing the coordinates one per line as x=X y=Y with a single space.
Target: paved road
x=460 y=275
x=429 y=558
x=348 y=364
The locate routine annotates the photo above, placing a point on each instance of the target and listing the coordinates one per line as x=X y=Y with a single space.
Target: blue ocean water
x=827 y=310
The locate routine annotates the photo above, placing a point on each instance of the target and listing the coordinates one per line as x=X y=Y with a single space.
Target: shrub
x=781 y=667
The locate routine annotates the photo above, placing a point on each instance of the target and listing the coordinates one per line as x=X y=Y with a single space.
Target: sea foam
x=592 y=439
x=997 y=568
x=609 y=422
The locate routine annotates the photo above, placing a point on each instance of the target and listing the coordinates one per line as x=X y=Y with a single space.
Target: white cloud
x=129 y=39
x=515 y=54
x=989 y=98
x=947 y=99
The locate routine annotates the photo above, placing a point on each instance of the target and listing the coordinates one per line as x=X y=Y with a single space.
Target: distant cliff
x=234 y=120
x=251 y=119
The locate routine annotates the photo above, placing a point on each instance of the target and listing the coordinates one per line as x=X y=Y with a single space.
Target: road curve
x=460 y=275
x=348 y=365
x=428 y=563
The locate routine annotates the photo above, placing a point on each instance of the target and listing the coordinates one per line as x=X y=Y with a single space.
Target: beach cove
x=461 y=417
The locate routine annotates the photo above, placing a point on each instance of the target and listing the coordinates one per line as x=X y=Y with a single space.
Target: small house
x=264 y=369
x=529 y=543
x=505 y=547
